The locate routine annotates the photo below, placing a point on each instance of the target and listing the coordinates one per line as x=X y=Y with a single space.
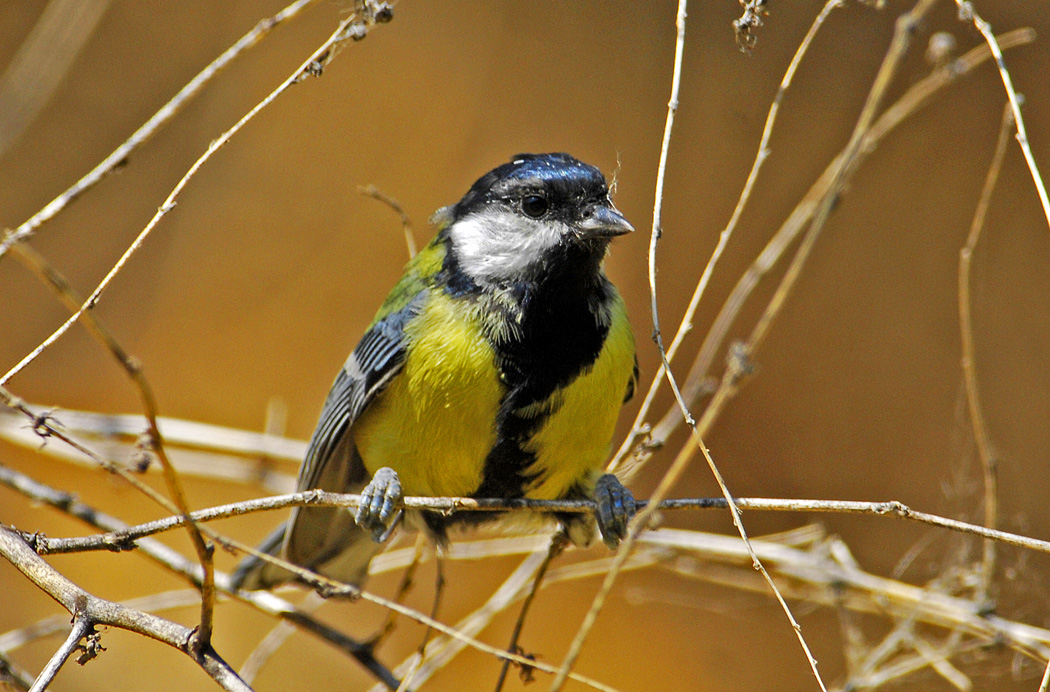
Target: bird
x=495 y=368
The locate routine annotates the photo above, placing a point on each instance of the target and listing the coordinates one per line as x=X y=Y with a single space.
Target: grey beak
x=601 y=221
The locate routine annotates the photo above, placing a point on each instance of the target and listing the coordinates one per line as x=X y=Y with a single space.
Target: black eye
x=534 y=206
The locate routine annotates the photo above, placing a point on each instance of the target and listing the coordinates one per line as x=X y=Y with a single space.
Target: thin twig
x=82 y=627
x=160 y=118
x=177 y=563
x=1044 y=684
x=356 y=26
x=966 y=10
x=443 y=649
x=406 y=222
x=407 y=582
x=360 y=21
x=685 y=326
x=127 y=537
x=154 y=440
x=421 y=650
x=269 y=603
x=916 y=97
x=556 y=546
x=642 y=519
x=973 y=399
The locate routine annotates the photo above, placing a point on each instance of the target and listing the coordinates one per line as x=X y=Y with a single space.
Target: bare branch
x=406 y=222
x=159 y=119
x=967 y=12
x=685 y=326
x=977 y=420
x=92 y=610
x=915 y=98
x=354 y=27
x=82 y=627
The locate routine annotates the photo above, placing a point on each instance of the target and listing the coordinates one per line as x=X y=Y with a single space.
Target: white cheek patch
x=501 y=245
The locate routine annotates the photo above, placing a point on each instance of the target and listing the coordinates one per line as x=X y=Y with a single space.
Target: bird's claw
x=615 y=507
x=379 y=511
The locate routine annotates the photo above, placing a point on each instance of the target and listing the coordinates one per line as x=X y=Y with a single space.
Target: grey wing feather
x=332 y=463
x=375 y=360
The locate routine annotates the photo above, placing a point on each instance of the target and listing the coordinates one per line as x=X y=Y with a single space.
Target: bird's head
x=519 y=219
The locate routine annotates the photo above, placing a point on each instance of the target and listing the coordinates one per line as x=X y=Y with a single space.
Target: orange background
x=261 y=279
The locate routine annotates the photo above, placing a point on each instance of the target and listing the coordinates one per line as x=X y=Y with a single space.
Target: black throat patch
x=560 y=327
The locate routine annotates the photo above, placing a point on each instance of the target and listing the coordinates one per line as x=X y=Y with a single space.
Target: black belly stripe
x=563 y=325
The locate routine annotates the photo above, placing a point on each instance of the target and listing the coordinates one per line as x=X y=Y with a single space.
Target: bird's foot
x=379 y=511
x=615 y=507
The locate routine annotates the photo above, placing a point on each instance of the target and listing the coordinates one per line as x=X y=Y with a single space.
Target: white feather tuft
x=499 y=245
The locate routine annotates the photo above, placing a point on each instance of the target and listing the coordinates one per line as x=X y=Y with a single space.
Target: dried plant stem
x=658 y=203
x=973 y=399
x=126 y=538
x=966 y=10
x=268 y=602
x=407 y=582
x=160 y=118
x=682 y=461
x=177 y=563
x=65 y=292
x=202 y=634
x=443 y=649
x=916 y=97
x=354 y=26
x=421 y=651
x=406 y=222
x=685 y=326
x=556 y=546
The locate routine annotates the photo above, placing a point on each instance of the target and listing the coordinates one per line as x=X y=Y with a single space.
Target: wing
x=373 y=363
x=332 y=463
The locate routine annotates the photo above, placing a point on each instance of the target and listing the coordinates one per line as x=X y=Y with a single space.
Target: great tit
x=495 y=368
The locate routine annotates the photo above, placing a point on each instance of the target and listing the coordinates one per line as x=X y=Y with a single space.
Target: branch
x=90 y=610
x=915 y=98
x=966 y=11
x=150 y=127
x=685 y=326
x=127 y=537
x=354 y=27
x=177 y=563
x=82 y=627
x=977 y=420
x=268 y=602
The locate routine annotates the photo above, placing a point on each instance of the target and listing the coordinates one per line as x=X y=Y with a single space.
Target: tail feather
x=346 y=558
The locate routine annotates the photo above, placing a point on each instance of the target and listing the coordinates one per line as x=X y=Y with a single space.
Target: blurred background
x=265 y=274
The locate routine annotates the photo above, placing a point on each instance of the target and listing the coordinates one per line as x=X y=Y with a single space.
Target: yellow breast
x=435 y=422
x=573 y=444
